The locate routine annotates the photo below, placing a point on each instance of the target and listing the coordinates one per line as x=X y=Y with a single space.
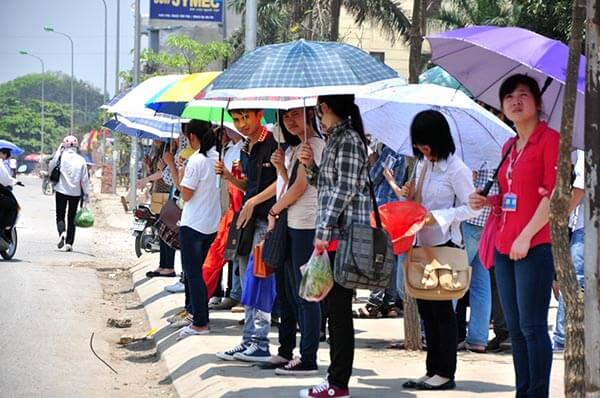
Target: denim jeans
x=257 y=324
x=577 y=254
x=194 y=248
x=400 y=259
x=167 y=256
x=294 y=309
x=480 y=291
x=236 y=281
x=525 y=287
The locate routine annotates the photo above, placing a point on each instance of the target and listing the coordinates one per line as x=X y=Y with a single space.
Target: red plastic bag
x=401 y=220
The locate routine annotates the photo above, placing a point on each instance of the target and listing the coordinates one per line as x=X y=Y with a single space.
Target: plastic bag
x=401 y=220
x=84 y=218
x=258 y=293
x=317 y=277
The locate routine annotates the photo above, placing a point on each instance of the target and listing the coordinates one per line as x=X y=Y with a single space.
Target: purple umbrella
x=481 y=57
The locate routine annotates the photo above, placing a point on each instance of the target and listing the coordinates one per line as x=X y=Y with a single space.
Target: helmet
x=70 y=141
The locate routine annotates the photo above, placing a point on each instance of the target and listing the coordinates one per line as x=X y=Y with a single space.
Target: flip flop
x=153 y=274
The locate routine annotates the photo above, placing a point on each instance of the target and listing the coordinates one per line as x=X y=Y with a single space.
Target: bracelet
x=272 y=214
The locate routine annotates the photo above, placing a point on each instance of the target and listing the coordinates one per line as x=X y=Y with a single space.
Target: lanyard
x=511 y=163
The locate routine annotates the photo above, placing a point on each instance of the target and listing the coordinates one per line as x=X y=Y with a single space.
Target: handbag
x=168 y=223
x=276 y=244
x=436 y=273
x=54 y=176
x=261 y=269
x=157 y=201
x=364 y=258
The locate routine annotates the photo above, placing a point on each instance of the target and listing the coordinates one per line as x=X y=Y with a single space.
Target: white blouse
x=445 y=193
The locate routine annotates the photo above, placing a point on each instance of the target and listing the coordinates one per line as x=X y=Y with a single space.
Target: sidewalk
x=378 y=371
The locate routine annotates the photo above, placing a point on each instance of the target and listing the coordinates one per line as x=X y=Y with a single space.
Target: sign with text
x=187 y=10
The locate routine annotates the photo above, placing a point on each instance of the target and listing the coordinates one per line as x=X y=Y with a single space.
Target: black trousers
x=62 y=203
x=8 y=210
x=500 y=328
x=441 y=334
x=338 y=308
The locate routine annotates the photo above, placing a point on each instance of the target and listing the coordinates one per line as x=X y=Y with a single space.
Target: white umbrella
x=477 y=133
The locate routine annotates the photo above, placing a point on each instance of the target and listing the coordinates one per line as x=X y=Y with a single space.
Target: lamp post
x=50 y=29
x=136 y=80
x=114 y=148
x=24 y=52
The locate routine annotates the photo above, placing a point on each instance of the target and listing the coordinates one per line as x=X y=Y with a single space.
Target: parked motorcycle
x=11 y=237
x=47 y=188
x=145 y=232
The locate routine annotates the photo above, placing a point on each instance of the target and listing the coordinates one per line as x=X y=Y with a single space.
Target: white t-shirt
x=232 y=154
x=576 y=220
x=202 y=212
x=303 y=213
x=74 y=178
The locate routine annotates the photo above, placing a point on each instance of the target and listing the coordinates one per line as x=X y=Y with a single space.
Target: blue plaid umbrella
x=304 y=69
x=140 y=131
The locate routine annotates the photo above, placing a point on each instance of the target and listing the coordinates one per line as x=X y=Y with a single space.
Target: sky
x=21 y=28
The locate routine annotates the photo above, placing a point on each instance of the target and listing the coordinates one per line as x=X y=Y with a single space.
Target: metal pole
x=23 y=52
x=105 y=99
x=114 y=157
x=250 y=34
x=592 y=202
x=136 y=81
x=72 y=82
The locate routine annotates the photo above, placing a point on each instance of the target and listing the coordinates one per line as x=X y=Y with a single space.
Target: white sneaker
x=177 y=287
x=68 y=248
x=189 y=331
x=61 y=240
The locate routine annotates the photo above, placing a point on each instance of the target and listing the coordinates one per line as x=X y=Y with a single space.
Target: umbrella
x=477 y=133
x=15 y=150
x=119 y=127
x=304 y=68
x=482 y=57
x=439 y=76
x=163 y=128
x=174 y=99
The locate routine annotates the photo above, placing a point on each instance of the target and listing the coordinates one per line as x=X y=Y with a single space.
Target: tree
x=547 y=17
x=462 y=13
x=574 y=350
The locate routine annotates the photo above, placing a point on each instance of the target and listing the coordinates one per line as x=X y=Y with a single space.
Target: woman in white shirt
x=300 y=200
x=445 y=184
x=199 y=220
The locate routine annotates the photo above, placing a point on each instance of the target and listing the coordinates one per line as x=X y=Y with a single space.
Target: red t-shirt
x=533 y=178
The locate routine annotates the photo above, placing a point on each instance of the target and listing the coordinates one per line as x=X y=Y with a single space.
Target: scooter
x=11 y=236
x=145 y=232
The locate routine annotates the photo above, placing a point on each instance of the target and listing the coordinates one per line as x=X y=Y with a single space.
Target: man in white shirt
x=8 y=203
x=72 y=187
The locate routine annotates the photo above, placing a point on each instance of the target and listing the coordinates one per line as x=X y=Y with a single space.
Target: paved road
x=48 y=310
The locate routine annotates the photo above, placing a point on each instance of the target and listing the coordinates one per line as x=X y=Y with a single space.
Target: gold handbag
x=437 y=273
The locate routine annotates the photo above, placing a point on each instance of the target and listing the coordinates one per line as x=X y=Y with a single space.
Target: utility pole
x=592 y=204
x=24 y=52
x=250 y=34
x=114 y=149
x=136 y=81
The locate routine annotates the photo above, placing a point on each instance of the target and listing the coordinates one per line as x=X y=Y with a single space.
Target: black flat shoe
x=410 y=384
x=156 y=274
x=449 y=385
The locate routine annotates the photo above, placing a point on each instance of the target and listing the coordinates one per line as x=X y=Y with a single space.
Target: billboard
x=187 y=10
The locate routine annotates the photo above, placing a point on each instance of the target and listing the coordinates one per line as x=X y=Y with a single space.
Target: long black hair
x=290 y=138
x=204 y=132
x=344 y=107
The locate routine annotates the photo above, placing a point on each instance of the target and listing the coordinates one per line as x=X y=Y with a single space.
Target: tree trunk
x=574 y=350
x=335 y=10
x=592 y=211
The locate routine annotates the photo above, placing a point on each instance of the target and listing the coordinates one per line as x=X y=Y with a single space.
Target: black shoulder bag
x=54 y=176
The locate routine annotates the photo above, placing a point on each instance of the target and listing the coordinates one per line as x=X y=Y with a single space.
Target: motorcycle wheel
x=138 y=245
x=12 y=249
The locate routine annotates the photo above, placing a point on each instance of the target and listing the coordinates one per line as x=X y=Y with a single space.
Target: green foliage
x=462 y=13
x=551 y=18
x=20 y=110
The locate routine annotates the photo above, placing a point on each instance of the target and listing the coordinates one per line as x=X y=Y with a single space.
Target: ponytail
x=357 y=122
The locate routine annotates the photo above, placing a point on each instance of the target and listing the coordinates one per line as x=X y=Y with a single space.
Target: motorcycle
x=11 y=236
x=145 y=231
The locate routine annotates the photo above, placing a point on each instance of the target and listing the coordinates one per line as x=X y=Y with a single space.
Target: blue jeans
x=257 y=323
x=524 y=287
x=480 y=291
x=194 y=248
x=294 y=309
x=399 y=274
x=577 y=255
x=236 y=282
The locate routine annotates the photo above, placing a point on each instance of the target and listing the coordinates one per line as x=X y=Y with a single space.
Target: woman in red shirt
x=523 y=258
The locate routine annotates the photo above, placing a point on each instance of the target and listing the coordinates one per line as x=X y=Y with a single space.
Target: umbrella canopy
x=482 y=57
x=174 y=99
x=439 y=76
x=15 y=150
x=162 y=128
x=477 y=133
x=304 y=68
x=119 y=127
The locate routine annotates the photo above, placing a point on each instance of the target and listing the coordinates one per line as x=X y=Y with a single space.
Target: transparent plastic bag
x=317 y=277
x=84 y=218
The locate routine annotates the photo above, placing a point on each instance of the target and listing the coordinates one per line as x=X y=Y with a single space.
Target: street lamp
x=23 y=52
x=50 y=29
x=105 y=49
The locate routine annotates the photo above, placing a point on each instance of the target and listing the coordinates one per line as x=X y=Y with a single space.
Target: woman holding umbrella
x=523 y=255
x=343 y=198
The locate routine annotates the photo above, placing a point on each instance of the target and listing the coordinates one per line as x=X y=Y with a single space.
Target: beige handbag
x=157 y=201
x=436 y=273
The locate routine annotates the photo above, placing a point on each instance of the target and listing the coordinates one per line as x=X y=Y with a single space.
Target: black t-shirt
x=257 y=164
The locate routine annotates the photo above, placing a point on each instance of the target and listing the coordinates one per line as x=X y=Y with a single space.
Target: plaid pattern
x=341 y=181
x=383 y=191
x=303 y=64
x=480 y=180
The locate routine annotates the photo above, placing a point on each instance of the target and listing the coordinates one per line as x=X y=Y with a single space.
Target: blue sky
x=21 y=27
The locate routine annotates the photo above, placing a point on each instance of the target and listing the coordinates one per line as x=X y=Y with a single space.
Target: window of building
x=378 y=54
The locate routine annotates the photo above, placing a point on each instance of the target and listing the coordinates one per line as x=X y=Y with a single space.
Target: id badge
x=509 y=202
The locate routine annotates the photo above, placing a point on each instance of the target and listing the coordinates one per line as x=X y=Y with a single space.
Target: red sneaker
x=325 y=390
